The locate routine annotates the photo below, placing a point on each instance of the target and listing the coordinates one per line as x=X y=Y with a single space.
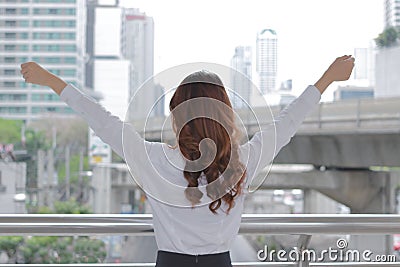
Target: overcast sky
x=311 y=33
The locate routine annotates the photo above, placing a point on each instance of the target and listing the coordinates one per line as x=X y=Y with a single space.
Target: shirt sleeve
x=262 y=148
x=106 y=126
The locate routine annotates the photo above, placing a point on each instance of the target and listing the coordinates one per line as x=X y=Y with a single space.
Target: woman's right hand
x=36 y=74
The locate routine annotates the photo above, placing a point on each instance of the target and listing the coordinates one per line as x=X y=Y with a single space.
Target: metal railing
x=140 y=224
x=304 y=225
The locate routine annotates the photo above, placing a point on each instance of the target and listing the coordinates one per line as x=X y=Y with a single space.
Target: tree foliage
x=72 y=132
x=66 y=207
x=73 y=169
x=10 y=244
x=388 y=38
x=63 y=250
x=10 y=131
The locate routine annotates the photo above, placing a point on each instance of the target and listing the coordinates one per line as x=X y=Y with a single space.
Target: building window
x=9 y=59
x=10 y=23
x=24 y=35
x=9 y=84
x=70 y=11
x=9 y=72
x=69 y=73
x=9 y=47
x=14 y=1
x=19 y=97
x=36 y=110
x=11 y=11
x=55 y=1
x=70 y=23
x=70 y=35
x=23 y=48
x=70 y=60
x=24 y=23
x=69 y=48
x=10 y=35
x=17 y=110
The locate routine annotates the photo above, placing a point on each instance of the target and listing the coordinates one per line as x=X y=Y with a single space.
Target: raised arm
x=267 y=143
x=108 y=127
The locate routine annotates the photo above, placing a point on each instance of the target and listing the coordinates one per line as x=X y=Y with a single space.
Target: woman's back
x=185 y=229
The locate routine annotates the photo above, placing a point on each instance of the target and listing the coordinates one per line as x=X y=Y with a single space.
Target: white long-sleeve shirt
x=177 y=226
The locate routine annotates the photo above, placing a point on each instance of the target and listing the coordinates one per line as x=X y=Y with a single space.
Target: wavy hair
x=221 y=129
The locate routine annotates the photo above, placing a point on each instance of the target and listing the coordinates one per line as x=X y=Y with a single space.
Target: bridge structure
x=342 y=134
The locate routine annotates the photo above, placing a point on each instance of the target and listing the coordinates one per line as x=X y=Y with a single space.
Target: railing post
x=358 y=113
x=319 y=115
x=302 y=244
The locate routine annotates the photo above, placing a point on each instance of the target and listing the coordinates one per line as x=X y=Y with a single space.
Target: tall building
x=267 y=45
x=241 y=84
x=90 y=33
x=138 y=47
x=364 y=70
x=111 y=70
x=392 y=13
x=49 y=32
x=387 y=78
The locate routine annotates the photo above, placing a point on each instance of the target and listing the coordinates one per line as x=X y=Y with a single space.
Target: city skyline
x=213 y=52
x=311 y=32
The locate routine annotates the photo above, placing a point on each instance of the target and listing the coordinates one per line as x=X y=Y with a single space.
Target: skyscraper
x=392 y=13
x=241 y=84
x=364 y=70
x=50 y=33
x=138 y=47
x=267 y=60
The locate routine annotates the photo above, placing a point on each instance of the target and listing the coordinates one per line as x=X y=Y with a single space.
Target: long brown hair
x=221 y=130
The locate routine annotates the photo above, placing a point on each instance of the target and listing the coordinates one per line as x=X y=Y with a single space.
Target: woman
x=198 y=234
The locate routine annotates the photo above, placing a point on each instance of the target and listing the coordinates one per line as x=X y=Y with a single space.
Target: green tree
x=89 y=250
x=66 y=207
x=73 y=169
x=72 y=132
x=388 y=37
x=10 y=244
x=10 y=131
x=63 y=250
x=70 y=207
